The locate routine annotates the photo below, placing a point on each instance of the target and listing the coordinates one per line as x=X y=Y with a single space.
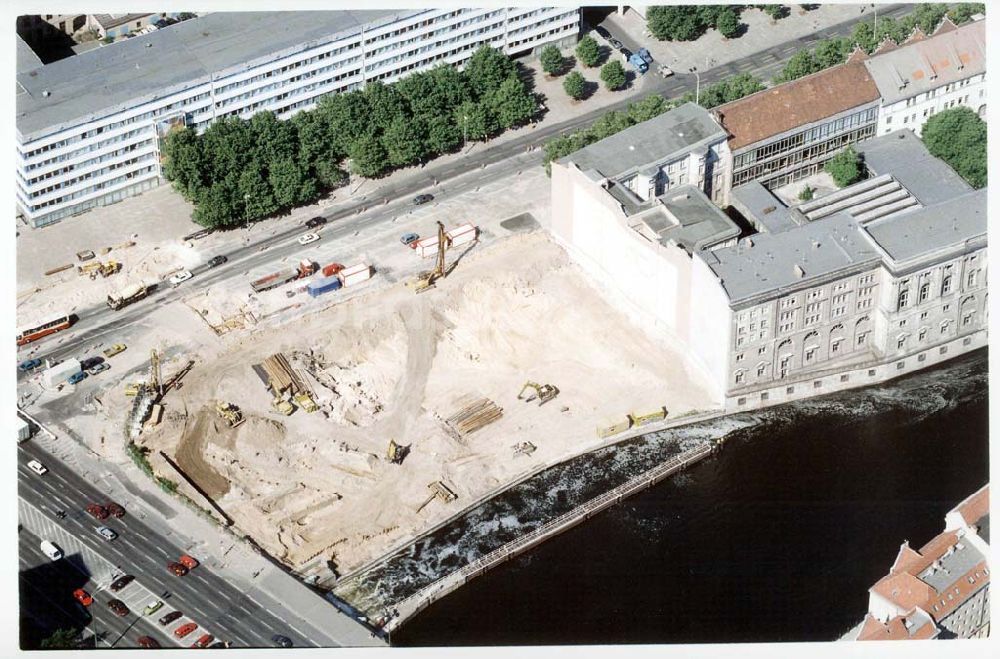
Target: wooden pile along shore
x=474 y=416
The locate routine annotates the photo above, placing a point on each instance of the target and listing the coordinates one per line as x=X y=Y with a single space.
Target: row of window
x=807 y=154
x=107 y=184
x=805 y=137
x=124 y=137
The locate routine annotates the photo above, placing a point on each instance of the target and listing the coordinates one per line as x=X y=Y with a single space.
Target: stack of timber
x=474 y=416
x=282 y=376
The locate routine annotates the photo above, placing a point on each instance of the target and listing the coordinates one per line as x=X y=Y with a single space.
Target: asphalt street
x=218 y=607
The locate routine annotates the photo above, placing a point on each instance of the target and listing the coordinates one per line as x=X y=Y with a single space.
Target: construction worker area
x=342 y=432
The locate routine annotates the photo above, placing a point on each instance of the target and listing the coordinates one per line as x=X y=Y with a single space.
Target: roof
x=150 y=66
x=915 y=625
x=763 y=209
x=927 y=178
x=797 y=103
x=656 y=141
x=916 y=232
x=975 y=507
x=931 y=62
x=27 y=60
x=113 y=20
x=684 y=215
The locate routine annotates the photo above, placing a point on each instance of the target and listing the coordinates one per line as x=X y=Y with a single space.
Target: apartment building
x=925 y=75
x=940 y=591
x=88 y=127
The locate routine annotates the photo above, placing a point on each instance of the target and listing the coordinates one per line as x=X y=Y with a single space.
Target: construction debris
x=438 y=491
x=474 y=416
x=524 y=448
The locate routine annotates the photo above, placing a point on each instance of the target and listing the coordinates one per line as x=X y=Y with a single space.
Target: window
x=761 y=350
x=871 y=372
x=904 y=298
x=900 y=343
x=739 y=357
x=973 y=278
x=817 y=384
x=790 y=390
x=925 y=290
x=967 y=318
x=845 y=378
x=862 y=338
x=760 y=370
x=810 y=354
x=764 y=396
x=946 y=284
x=741 y=401
x=922 y=335
x=739 y=377
x=835 y=346
x=944 y=326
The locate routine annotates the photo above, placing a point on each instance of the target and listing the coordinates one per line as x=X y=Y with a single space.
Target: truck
x=128 y=295
x=275 y=279
x=638 y=63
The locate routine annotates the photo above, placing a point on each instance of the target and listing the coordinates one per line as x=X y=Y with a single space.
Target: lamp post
x=697 y=83
x=246 y=215
x=465 y=129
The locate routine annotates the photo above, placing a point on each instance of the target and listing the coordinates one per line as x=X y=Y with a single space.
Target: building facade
x=925 y=75
x=88 y=127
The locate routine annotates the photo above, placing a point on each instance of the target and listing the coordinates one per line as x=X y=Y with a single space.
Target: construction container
x=317 y=287
x=23 y=430
x=331 y=269
x=356 y=274
x=464 y=233
x=426 y=247
x=59 y=373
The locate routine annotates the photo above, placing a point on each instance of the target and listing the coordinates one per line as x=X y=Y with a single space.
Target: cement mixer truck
x=128 y=295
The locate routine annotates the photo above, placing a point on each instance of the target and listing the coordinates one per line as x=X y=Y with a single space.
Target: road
x=246 y=619
x=501 y=160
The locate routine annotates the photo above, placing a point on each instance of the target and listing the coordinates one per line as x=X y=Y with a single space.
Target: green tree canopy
x=404 y=140
x=443 y=134
x=552 y=60
x=575 y=85
x=487 y=69
x=730 y=89
x=61 y=639
x=588 y=52
x=368 y=157
x=963 y=11
x=613 y=75
x=184 y=162
x=676 y=23
x=512 y=104
x=652 y=106
x=727 y=23
x=290 y=184
x=845 y=167
x=800 y=64
x=958 y=137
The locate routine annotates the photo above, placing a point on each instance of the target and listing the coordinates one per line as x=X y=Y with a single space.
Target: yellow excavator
x=543 y=392
x=230 y=413
x=396 y=453
x=427 y=280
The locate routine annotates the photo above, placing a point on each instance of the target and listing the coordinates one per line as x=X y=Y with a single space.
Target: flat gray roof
x=903 y=155
x=170 y=59
x=659 y=140
x=948 y=224
x=954 y=566
x=690 y=219
x=27 y=60
x=760 y=206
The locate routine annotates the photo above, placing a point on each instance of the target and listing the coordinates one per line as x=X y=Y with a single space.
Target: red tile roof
x=796 y=103
x=975 y=507
x=894 y=630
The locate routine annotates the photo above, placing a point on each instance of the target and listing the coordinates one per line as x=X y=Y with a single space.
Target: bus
x=44 y=329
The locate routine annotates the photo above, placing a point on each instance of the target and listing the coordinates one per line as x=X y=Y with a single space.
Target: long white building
x=88 y=127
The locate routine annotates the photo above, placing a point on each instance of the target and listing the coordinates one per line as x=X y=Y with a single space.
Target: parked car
x=98 y=369
x=203 y=641
x=115 y=509
x=179 y=278
x=121 y=582
x=77 y=377
x=83 y=597
x=314 y=222
x=99 y=512
x=603 y=31
x=409 y=239
x=423 y=199
x=617 y=45
x=37 y=467
x=152 y=607
x=216 y=261
x=118 y=608
x=644 y=54
x=91 y=362
x=281 y=641
x=106 y=533
x=178 y=569
x=626 y=53
x=115 y=349
x=185 y=629
x=188 y=562
x=148 y=642
x=665 y=71
x=29 y=364
x=218 y=645
x=168 y=618
x=307 y=238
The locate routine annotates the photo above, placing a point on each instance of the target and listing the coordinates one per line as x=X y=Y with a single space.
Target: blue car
x=29 y=364
x=77 y=377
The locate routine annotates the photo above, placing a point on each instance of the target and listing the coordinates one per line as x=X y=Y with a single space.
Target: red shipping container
x=332 y=269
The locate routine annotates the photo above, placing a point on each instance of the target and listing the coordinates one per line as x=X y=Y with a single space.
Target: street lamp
x=465 y=129
x=246 y=214
x=697 y=83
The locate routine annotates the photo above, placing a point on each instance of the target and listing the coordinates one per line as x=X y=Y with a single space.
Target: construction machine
x=427 y=280
x=132 y=389
x=306 y=402
x=282 y=406
x=230 y=413
x=543 y=392
x=154 y=372
x=396 y=453
x=438 y=491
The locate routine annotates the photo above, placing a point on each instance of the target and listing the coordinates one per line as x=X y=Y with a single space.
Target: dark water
x=777 y=538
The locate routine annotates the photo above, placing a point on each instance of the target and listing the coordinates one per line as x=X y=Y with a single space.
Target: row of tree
x=243 y=170
x=688 y=22
x=589 y=54
x=727 y=90
x=835 y=50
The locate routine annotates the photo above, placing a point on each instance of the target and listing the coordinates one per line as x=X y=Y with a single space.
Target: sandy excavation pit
x=392 y=365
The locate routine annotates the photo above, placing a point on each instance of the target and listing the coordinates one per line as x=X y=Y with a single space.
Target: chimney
x=799 y=272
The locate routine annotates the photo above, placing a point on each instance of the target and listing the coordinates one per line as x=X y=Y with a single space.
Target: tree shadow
x=741 y=29
x=605 y=55
x=589 y=89
x=569 y=63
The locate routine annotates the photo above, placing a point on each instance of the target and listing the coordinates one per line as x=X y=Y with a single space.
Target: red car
x=188 y=562
x=83 y=597
x=118 y=607
x=185 y=629
x=99 y=512
x=148 y=642
x=178 y=569
x=115 y=509
x=203 y=641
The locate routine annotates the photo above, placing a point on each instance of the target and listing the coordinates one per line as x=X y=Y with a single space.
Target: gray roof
x=763 y=209
x=920 y=231
x=953 y=566
x=918 y=67
x=983 y=529
x=903 y=154
x=686 y=216
x=659 y=140
x=767 y=262
x=154 y=65
x=27 y=60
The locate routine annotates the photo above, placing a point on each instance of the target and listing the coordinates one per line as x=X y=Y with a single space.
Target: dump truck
x=275 y=279
x=128 y=295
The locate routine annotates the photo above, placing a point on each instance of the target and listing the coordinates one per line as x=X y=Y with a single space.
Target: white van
x=51 y=550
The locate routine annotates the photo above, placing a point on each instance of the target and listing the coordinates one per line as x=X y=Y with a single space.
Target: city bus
x=44 y=329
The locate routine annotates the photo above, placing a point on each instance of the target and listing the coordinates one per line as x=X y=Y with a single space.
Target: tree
x=609 y=124
x=963 y=11
x=552 y=60
x=253 y=194
x=346 y=116
x=385 y=104
x=800 y=64
x=927 y=16
x=329 y=175
x=776 y=12
x=487 y=69
x=183 y=162
x=404 y=140
x=272 y=139
x=730 y=89
x=368 y=157
x=806 y=194
x=290 y=183
x=677 y=23
x=588 y=52
x=613 y=75
x=652 y=106
x=443 y=134
x=61 y=639
x=958 y=137
x=511 y=103
x=575 y=85
x=476 y=120
x=214 y=207
x=845 y=167
x=727 y=23
x=831 y=52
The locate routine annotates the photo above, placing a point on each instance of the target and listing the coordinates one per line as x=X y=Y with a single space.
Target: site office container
x=427 y=246
x=355 y=274
x=325 y=285
x=464 y=233
x=61 y=372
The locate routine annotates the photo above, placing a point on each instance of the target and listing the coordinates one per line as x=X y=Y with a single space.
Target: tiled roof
x=976 y=506
x=921 y=627
x=797 y=103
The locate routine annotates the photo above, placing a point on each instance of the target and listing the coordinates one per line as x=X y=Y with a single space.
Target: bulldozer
x=542 y=392
x=230 y=413
x=97 y=268
x=306 y=402
x=427 y=280
x=282 y=406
